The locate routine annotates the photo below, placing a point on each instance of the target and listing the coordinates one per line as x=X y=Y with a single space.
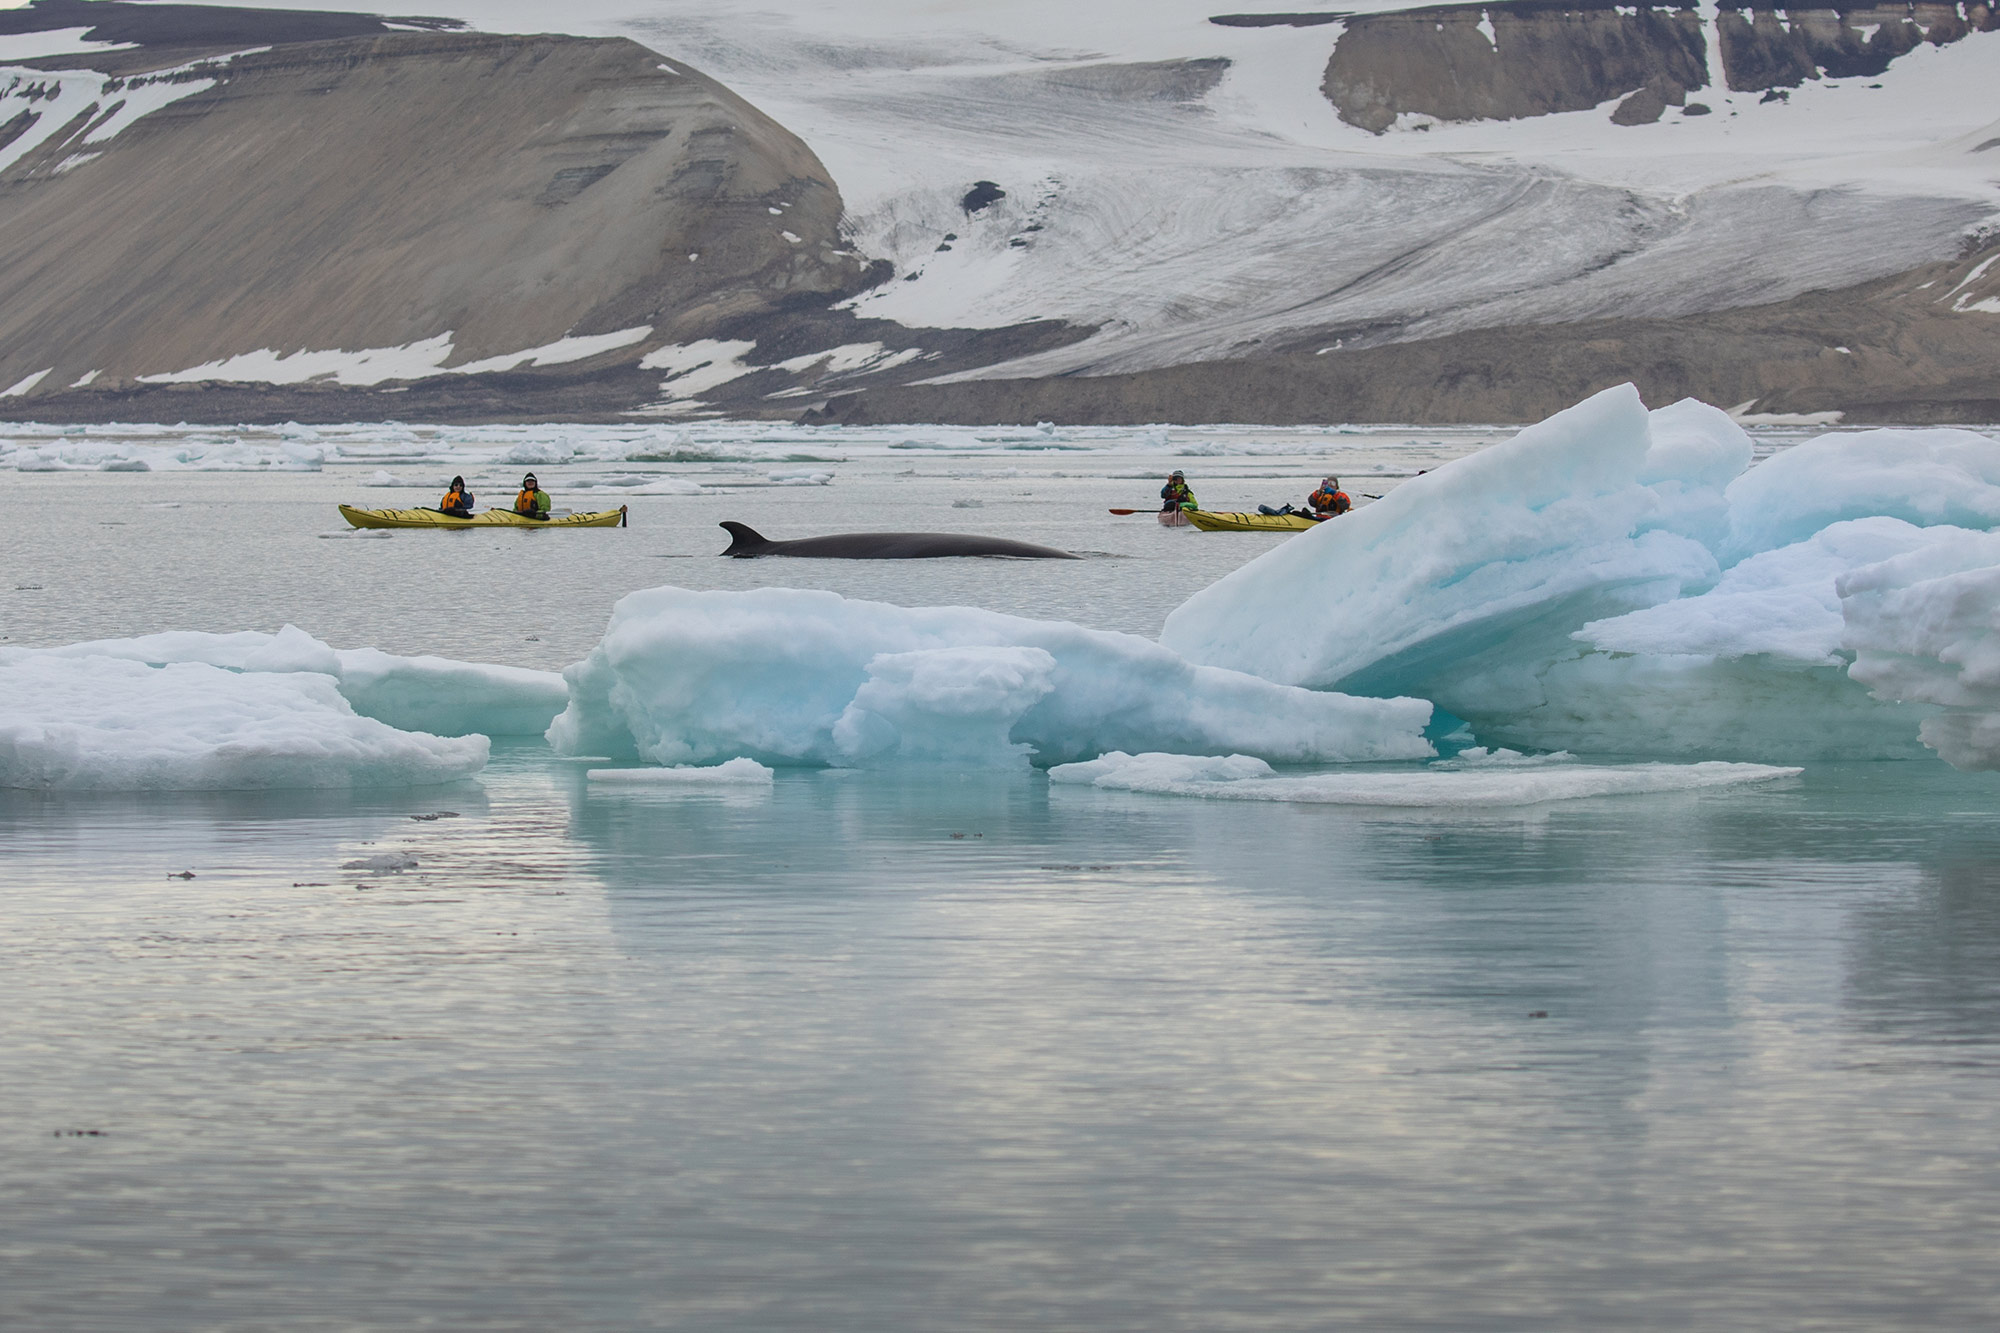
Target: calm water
x=868 y=1052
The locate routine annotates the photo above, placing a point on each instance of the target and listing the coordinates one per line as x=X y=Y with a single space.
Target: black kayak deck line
x=746 y=543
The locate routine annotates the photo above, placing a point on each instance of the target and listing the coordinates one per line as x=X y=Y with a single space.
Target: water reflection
x=870 y=1050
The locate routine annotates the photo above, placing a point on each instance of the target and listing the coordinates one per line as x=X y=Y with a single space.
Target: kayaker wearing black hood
x=533 y=502
x=457 y=501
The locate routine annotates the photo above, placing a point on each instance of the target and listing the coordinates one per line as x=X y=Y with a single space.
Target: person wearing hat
x=1329 y=501
x=457 y=500
x=1175 y=494
x=533 y=502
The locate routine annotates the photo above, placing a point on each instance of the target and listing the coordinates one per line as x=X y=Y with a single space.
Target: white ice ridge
x=102 y=724
x=1926 y=626
x=1614 y=581
x=1241 y=778
x=427 y=694
x=810 y=678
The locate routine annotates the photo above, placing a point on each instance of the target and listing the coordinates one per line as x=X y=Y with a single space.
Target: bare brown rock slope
x=1921 y=347
x=377 y=191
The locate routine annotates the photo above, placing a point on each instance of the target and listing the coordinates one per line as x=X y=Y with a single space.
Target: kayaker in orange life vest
x=457 y=500
x=533 y=502
x=1329 y=501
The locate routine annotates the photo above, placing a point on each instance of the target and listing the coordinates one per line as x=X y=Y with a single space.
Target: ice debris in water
x=384 y=477
x=737 y=772
x=801 y=677
x=1479 y=756
x=1241 y=778
x=430 y=694
x=105 y=724
x=1614 y=581
x=390 y=863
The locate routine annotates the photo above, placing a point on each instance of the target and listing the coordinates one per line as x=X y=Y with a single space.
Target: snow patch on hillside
x=560 y=352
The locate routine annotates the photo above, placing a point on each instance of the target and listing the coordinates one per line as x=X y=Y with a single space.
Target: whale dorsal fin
x=744 y=539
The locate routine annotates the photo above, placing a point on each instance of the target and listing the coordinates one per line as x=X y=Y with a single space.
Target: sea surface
x=869 y=1051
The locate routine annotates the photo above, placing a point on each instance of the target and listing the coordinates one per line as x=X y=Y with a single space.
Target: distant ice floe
x=1619 y=582
x=810 y=678
x=716 y=443
x=99 y=723
x=194 y=453
x=428 y=694
x=1242 y=778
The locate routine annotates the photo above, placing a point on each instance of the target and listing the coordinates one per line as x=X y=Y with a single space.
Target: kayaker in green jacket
x=533 y=502
x=1176 y=494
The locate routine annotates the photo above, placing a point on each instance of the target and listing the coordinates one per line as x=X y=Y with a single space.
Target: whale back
x=746 y=542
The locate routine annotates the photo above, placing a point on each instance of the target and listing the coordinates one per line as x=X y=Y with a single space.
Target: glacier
x=792 y=677
x=1620 y=582
x=100 y=723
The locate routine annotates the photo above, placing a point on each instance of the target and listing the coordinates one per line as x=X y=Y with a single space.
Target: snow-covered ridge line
x=51 y=101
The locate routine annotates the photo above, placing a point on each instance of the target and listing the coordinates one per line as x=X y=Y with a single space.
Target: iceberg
x=1242 y=778
x=429 y=694
x=793 y=677
x=1615 y=581
x=98 y=723
x=1499 y=554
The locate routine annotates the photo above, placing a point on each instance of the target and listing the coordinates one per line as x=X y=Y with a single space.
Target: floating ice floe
x=800 y=677
x=428 y=694
x=1242 y=778
x=732 y=773
x=103 y=724
x=1618 y=582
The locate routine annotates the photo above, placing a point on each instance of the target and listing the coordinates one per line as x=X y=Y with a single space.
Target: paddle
x=1126 y=511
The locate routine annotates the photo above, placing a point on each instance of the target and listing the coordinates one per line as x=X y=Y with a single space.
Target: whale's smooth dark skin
x=746 y=543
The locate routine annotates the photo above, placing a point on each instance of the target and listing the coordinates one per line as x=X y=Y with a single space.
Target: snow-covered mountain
x=1158 y=210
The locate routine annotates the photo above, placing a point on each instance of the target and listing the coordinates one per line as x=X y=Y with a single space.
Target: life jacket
x=526 y=503
x=455 y=500
x=1333 y=502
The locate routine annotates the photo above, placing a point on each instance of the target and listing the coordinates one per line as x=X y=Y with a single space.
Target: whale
x=746 y=543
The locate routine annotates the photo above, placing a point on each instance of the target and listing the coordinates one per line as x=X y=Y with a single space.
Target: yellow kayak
x=1225 y=522
x=490 y=518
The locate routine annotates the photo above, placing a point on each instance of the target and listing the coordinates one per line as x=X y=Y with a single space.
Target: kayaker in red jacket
x=1329 y=501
